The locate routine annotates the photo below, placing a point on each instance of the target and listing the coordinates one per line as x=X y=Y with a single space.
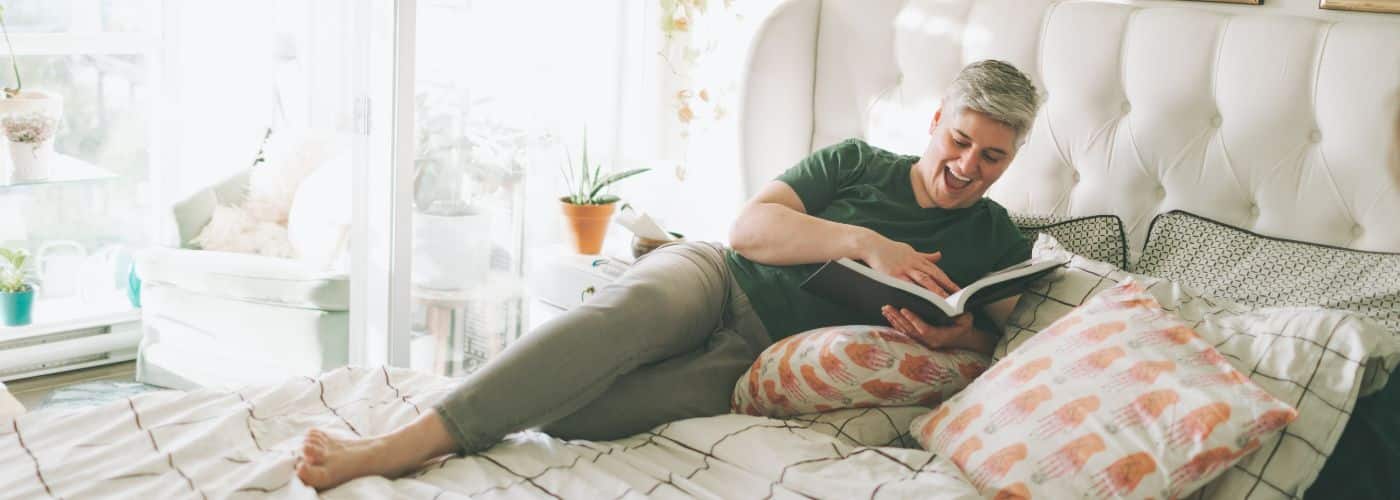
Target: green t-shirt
x=856 y=183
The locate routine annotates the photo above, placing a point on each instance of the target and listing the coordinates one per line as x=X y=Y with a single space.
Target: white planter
x=451 y=252
x=30 y=162
x=30 y=100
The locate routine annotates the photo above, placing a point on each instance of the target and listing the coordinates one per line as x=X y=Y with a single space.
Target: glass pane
x=469 y=191
x=82 y=234
x=79 y=16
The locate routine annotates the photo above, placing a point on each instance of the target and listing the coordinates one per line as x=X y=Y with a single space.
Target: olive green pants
x=666 y=341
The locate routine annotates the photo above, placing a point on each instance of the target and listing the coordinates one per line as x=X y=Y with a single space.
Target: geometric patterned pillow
x=854 y=366
x=1228 y=262
x=1098 y=237
x=1118 y=399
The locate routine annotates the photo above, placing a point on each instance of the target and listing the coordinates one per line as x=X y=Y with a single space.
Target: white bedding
x=211 y=444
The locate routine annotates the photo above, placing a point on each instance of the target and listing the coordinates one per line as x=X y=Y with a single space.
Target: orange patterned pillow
x=851 y=367
x=1118 y=399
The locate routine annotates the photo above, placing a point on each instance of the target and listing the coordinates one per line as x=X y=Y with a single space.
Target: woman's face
x=966 y=154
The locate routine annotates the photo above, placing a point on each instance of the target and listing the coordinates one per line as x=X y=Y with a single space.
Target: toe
x=315 y=476
x=310 y=475
x=313 y=452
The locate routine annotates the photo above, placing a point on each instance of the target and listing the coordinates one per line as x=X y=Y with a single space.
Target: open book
x=866 y=290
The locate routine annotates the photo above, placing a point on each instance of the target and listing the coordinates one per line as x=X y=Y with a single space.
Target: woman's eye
x=962 y=144
x=990 y=159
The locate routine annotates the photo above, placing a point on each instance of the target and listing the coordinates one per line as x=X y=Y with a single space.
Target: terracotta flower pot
x=588 y=224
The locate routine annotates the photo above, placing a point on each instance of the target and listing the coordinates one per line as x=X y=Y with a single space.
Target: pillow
x=851 y=367
x=1118 y=399
x=1228 y=262
x=319 y=222
x=1098 y=237
x=1303 y=361
x=1048 y=299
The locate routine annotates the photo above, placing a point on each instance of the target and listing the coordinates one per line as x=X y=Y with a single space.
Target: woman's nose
x=970 y=165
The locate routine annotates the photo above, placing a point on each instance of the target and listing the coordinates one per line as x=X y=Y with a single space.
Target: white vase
x=451 y=252
x=30 y=161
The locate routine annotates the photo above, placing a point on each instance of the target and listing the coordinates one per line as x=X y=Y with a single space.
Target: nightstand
x=560 y=280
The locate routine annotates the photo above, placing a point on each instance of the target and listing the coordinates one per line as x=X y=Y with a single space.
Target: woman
x=670 y=338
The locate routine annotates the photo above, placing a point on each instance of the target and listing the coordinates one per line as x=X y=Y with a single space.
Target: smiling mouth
x=953 y=180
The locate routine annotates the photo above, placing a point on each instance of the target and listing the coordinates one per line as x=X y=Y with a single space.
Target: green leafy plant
x=14 y=63
x=588 y=183
x=12 y=275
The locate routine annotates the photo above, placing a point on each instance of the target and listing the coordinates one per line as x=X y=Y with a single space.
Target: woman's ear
x=937 y=116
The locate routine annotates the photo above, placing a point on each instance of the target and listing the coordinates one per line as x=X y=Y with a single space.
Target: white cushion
x=319 y=223
x=252 y=278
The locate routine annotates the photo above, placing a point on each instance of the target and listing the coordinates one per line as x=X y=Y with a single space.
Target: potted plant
x=466 y=165
x=588 y=207
x=30 y=119
x=16 y=294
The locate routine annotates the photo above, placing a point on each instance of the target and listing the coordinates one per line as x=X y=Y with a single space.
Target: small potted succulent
x=30 y=119
x=589 y=207
x=16 y=293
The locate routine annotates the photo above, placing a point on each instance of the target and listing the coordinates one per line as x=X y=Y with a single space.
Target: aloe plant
x=14 y=63
x=587 y=182
x=12 y=276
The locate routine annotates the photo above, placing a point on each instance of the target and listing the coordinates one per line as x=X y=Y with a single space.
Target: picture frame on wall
x=1381 y=6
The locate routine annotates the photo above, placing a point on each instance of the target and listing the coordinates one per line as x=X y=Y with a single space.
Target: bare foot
x=329 y=461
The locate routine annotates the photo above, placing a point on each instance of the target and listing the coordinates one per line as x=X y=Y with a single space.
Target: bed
x=1285 y=126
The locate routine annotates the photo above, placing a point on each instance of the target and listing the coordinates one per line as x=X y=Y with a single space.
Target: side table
x=462 y=329
x=563 y=280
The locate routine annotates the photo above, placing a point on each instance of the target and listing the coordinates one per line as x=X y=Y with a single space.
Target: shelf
x=65 y=169
x=52 y=316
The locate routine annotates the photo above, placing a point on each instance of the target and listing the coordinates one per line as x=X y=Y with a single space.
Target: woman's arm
x=775 y=229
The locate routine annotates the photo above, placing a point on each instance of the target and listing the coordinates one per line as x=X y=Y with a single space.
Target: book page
x=959 y=300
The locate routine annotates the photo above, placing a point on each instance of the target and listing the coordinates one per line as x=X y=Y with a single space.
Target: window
x=100 y=57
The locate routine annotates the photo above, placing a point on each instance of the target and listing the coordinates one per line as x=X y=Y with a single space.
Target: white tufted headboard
x=1284 y=125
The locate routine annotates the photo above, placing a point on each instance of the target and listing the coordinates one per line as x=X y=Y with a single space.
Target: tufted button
x=1161 y=192
x=1074 y=176
x=1127 y=106
x=1216 y=121
x=1315 y=136
x=1356 y=231
x=1253 y=210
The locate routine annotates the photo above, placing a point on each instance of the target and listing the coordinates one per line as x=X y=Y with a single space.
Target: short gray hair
x=998 y=90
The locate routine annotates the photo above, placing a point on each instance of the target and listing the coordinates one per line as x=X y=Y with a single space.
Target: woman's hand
x=900 y=260
x=960 y=334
